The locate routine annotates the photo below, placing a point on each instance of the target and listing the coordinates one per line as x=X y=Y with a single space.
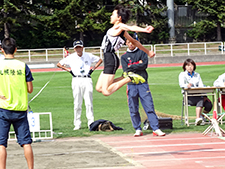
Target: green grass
x=57 y=98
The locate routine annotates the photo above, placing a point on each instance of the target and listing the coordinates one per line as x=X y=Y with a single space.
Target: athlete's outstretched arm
x=139 y=45
x=134 y=28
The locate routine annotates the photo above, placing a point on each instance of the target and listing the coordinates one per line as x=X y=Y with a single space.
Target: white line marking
x=181 y=159
x=170 y=145
x=160 y=139
x=181 y=151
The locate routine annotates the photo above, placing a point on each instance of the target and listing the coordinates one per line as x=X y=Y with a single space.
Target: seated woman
x=220 y=82
x=189 y=78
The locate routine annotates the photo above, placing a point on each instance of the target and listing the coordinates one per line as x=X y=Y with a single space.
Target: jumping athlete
x=112 y=41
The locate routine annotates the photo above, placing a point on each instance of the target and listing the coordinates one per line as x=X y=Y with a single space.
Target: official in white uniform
x=80 y=64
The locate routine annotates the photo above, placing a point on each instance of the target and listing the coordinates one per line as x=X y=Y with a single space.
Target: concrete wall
x=155 y=60
x=181 y=59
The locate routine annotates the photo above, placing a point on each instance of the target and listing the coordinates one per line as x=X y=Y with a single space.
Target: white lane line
x=157 y=140
x=170 y=145
x=181 y=151
x=181 y=159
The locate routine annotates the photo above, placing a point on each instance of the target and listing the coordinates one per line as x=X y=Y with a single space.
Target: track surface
x=174 y=151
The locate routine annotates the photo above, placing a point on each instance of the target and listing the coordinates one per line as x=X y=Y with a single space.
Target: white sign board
x=34 y=121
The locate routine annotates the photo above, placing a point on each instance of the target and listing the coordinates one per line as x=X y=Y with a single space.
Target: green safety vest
x=13 y=85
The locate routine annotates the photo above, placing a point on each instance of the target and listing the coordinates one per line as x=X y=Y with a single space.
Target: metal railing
x=161 y=50
x=199 y=48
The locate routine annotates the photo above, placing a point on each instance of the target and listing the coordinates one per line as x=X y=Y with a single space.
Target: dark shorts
x=207 y=105
x=198 y=101
x=20 y=125
x=111 y=63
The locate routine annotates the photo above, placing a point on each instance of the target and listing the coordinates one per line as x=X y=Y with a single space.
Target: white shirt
x=116 y=42
x=185 y=79
x=2 y=57
x=79 y=65
x=220 y=81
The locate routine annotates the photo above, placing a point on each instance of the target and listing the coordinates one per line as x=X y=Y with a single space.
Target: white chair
x=183 y=113
x=200 y=91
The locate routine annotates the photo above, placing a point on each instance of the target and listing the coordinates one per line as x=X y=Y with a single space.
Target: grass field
x=57 y=98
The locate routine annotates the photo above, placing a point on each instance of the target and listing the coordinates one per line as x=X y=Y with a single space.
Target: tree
x=203 y=31
x=150 y=12
x=52 y=23
x=22 y=19
x=214 y=9
x=56 y=23
x=17 y=13
x=72 y=17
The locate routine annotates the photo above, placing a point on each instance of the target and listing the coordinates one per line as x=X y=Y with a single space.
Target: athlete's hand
x=151 y=54
x=149 y=29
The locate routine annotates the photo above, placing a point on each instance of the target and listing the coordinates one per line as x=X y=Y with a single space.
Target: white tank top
x=112 y=43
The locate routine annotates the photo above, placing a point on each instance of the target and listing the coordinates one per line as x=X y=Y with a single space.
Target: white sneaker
x=203 y=118
x=158 y=132
x=198 y=121
x=76 y=128
x=138 y=133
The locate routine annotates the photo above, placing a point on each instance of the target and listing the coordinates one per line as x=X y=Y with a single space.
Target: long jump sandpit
x=174 y=151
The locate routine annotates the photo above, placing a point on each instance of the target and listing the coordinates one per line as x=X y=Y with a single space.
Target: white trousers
x=82 y=88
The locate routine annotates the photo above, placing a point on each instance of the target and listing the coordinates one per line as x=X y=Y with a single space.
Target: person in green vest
x=15 y=84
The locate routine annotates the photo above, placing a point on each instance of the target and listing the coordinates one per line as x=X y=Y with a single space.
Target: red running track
x=174 y=151
x=150 y=65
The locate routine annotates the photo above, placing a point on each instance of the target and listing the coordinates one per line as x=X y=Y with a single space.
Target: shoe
x=125 y=74
x=135 y=78
x=158 y=132
x=138 y=133
x=76 y=128
x=198 y=121
x=203 y=119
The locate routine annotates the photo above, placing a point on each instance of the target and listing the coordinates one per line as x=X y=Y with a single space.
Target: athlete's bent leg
x=109 y=86
x=100 y=81
x=107 y=80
